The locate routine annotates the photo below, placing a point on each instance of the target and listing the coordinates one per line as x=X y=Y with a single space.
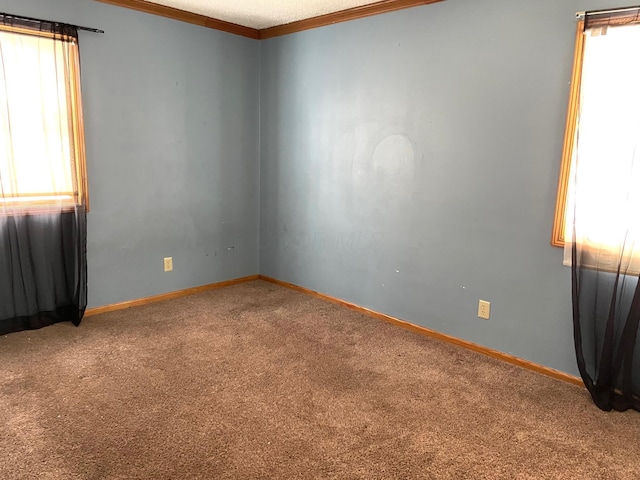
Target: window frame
x=558 y=233
x=77 y=157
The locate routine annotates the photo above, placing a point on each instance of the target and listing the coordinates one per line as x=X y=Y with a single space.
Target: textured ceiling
x=262 y=13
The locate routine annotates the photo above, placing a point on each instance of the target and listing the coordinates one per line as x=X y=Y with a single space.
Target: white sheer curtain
x=36 y=132
x=604 y=189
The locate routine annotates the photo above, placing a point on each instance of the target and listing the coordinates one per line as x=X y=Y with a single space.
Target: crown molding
x=183 y=16
x=383 y=6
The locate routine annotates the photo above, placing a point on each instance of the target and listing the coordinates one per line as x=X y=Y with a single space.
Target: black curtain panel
x=43 y=273
x=43 y=276
x=606 y=314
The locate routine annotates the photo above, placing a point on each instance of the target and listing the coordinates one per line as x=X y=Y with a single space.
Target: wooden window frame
x=557 y=236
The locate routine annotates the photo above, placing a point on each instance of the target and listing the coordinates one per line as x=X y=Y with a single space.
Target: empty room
x=319 y=239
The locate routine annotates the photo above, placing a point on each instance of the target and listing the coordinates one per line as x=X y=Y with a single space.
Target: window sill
x=37 y=206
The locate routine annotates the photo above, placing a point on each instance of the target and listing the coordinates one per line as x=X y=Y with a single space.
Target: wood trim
x=167 y=296
x=383 y=6
x=505 y=357
x=511 y=359
x=377 y=8
x=183 y=16
x=76 y=129
x=557 y=236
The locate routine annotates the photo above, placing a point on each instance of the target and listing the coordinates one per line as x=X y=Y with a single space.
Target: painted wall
x=405 y=162
x=409 y=164
x=171 y=119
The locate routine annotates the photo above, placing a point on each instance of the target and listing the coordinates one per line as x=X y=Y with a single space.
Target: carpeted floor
x=258 y=381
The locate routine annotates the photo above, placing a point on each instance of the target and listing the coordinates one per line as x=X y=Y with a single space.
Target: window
x=42 y=157
x=603 y=132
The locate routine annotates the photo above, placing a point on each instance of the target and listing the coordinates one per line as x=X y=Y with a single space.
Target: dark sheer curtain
x=43 y=265
x=606 y=314
x=43 y=277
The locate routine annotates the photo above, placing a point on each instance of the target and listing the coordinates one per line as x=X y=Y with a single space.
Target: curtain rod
x=604 y=12
x=31 y=19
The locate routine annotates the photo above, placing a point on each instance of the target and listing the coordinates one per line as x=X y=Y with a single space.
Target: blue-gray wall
x=172 y=128
x=405 y=162
x=409 y=164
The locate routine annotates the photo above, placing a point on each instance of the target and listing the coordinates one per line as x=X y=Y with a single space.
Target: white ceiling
x=262 y=13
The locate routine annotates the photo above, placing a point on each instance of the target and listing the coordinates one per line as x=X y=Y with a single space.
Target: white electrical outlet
x=484 y=309
x=168 y=264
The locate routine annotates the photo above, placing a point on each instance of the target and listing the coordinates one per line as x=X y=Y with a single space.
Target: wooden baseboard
x=513 y=360
x=167 y=296
x=550 y=372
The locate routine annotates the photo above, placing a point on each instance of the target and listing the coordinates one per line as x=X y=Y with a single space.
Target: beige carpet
x=257 y=381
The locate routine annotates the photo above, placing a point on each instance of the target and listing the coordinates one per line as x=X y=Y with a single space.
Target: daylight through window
x=41 y=134
x=601 y=160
